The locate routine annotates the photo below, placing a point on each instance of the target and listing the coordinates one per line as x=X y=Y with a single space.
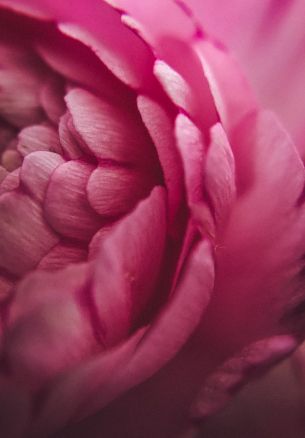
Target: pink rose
x=152 y=217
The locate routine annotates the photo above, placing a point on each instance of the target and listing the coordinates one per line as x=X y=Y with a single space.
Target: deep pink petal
x=91 y=386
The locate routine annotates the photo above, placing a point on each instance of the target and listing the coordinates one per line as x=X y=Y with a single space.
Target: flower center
x=74 y=154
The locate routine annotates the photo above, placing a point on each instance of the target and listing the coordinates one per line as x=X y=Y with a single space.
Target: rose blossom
x=151 y=220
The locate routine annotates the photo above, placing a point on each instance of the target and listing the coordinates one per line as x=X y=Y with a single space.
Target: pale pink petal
x=233 y=96
x=38 y=138
x=66 y=206
x=268 y=38
x=192 y=149
x=25 y=237
x=131 y=255
x=159 y=18
x=160 y=128
x=113 y=191
x=219 y=174
x=36 y=171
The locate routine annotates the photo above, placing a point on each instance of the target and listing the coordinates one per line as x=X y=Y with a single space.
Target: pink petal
x=159 y=18
x=38 y=138
x=233 y=97
x=71 y=149
x=220 y=173
x=25 y=237
x=67 y=338
x=69 y=391
x=268 y=38
x=66 y=207
x=219 y=388
x=116 y=46
x=36 y=171
x=113 y=191
x=51 y=98
x=159 y=344
x=81 y=66
x=62 y=255
x=97 y=240
x=10 y=182
x=260 y=254
x=160 y=128
x=128 y=266
x=107 y=130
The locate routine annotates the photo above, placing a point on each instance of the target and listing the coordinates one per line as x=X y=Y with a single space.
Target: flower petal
x=38 y=138
x=128 y=266
x=36 y=171
x=160 y=128
x=113 y=191
x=107 y=130
x=25 y=237
x=66 y=206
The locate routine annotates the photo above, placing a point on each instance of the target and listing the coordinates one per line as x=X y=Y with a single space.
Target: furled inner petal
x=71 y=149
x=38 y=138
x=109 y=131
x=113 y=191
x=161 y=129
x=51 y=98
x=25 y=237
x=36 y=170
x=220 y=173
x=66 y=206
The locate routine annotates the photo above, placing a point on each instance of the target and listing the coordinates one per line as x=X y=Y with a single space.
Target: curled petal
x=131 y=254
x=36 y=171
x=66 y=205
